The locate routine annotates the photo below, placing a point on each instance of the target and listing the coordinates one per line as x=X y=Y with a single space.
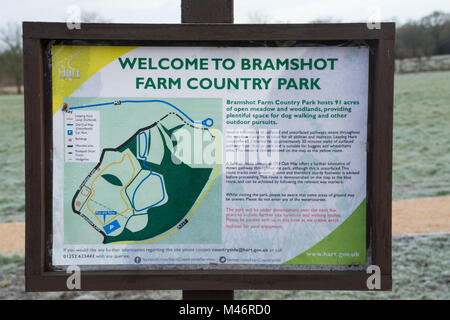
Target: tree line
x=424 y=37
x=11 y=66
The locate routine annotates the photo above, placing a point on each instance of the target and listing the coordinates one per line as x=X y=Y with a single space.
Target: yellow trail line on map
x=128 y=207
x=198 y=203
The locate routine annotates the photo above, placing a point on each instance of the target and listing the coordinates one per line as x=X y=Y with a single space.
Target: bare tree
x=258 y=18
x=439 y=24
x=92 y=17
x=11 y=56
x=325 y=20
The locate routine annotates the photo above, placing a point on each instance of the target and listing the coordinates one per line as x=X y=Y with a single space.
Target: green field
x=421 y=168
x=12 y=157
x=423 y=64
x=421 y=164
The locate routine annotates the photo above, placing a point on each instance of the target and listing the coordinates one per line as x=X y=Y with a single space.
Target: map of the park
x=139 y=191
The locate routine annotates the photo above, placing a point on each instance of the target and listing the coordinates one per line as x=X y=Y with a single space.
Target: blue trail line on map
x=208 y=122
x=143 y=156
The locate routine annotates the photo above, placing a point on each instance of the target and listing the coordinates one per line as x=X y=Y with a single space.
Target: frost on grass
x=420 y=271
x=12 y=157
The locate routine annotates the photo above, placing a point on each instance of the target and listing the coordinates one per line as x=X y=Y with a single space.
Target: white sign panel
x=205 y=155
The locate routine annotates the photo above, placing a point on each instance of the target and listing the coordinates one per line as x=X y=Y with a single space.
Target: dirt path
x=421 y=215
x=12 y=237
x=408 y=216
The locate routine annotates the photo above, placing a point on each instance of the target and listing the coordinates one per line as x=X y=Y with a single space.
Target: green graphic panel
x=346 y=245
x=183 y=185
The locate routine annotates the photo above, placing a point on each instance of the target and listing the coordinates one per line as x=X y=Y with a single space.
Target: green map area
x=140 y=190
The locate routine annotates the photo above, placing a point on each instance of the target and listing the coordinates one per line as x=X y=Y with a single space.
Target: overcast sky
x=168 y=11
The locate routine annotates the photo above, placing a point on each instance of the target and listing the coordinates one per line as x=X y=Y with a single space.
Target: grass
x=420 y=271
x=421 y=155
x=12 y=166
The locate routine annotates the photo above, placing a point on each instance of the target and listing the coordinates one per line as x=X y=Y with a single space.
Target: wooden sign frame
x=38 y=36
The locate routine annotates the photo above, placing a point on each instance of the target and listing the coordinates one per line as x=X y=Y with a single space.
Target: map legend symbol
x=82 y=134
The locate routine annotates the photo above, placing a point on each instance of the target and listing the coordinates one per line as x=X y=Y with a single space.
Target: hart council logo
x=66 y=71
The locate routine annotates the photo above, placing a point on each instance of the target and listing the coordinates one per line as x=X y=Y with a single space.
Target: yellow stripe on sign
x=74 y=65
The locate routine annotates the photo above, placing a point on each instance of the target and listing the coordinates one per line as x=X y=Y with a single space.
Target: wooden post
x=207 y=11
